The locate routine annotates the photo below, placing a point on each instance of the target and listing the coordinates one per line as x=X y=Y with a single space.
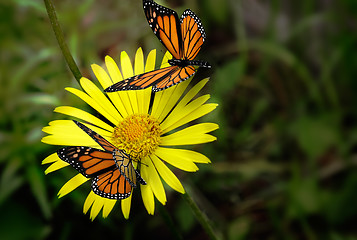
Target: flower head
x=145 y=125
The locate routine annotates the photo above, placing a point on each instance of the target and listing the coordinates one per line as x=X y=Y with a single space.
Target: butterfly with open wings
x=112 y=172
x=182 y=37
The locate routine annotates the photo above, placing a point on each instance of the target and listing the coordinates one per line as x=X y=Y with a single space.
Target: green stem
x=60 y=38
x=200 y=216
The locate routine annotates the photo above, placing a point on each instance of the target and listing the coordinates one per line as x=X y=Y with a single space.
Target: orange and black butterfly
x=112 y=172
x=182 y=37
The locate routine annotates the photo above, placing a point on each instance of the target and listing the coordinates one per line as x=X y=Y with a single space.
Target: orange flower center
x=138 y=134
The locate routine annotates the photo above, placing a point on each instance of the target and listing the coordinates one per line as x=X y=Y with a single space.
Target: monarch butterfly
x=112 y=172
x=182 y=37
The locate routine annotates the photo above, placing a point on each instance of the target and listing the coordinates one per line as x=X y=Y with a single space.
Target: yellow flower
x=141 y=123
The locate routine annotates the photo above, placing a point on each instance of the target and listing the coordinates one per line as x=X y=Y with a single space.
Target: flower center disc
x=138 y=135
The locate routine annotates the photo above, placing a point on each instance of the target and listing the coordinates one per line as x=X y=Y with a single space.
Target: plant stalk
x=200 y=216
x=61 y=42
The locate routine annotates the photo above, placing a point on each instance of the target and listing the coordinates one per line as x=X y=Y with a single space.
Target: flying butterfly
x=182 y=37
x=112 y=172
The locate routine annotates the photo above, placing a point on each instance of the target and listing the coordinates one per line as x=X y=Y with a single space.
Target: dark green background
x=284 y=75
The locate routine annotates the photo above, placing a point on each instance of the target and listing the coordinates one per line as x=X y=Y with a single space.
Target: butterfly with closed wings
x=112 y=172
x=182 y=37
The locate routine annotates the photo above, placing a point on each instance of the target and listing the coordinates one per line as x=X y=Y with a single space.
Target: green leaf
x=10 y=180
x=37 y=182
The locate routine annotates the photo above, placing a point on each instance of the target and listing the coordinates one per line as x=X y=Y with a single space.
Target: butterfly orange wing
x=112 y=170
x=160 y=79
x=193 y=34
x=117 y=183
x=182 y=38
x=181 y=74
x=143 y=81
x=88 y=161
x=166 y=25
x=112 y=184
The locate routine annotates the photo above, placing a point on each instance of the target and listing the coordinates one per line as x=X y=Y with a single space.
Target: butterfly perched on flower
x=112 y=172
x=182 y=37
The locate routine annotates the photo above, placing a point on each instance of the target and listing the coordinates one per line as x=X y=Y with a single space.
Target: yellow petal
x=163 y=103
x=194 y=114
x=146 y=192
x=118 y=98
x=178 y=114
x=62 y=127
x=154 y=181
x=102 y=76
x=105 y=81
x=195 y=134
x=136 y=97
x=196 y=129
x=88 y=202
x=163 y=97
x=156 y=104
x=148 y=198
x=113 y=70
x=128 y=97
x=126 y=67
x=191 y=94
x=55 y=166
x=194 y=90
x=187 y=155
x=127 y=70
x=97 y=203
x=150 y=61
x=124 y=104
x=171 y=100
x=108 y=206
x=91 y=102
x=187 y=140
x=66 y=132
x=167 y=175
x=165 y=60
x=78 y=113
x=72 y=184
x=139 y=62
x=66 y=141
x=98 y=96
x=144 y=97
x=97 y=206
x=184 y=101
x=133 y=101
x=125 y=206
x=166 y=97
x=177 y=158
x=50 y=159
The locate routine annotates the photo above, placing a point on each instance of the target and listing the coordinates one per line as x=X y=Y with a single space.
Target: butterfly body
x=112 y=172
x=182 y=37
x=184 y=63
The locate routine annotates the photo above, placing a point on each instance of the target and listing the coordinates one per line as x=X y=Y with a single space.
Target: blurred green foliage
x=284 y=165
